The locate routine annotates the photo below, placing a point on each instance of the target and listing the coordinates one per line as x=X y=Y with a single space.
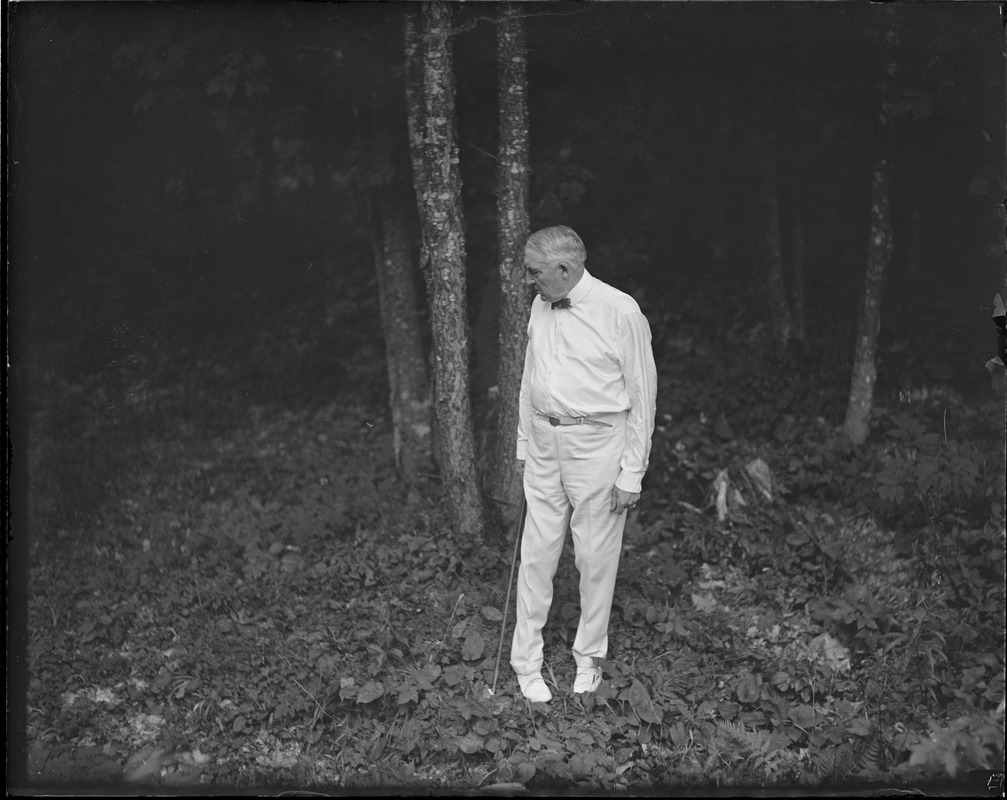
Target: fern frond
x=875 y=755
x=833 y=763
x=822 y=763
x=844 y=760
x=753 y=742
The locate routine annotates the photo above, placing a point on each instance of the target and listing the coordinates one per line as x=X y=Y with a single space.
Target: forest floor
x=231 y=590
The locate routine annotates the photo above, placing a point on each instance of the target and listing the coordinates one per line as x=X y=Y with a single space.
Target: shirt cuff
x=522 y=449
x=630 y=481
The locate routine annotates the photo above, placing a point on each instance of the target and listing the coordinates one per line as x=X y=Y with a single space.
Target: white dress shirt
x=592 y=358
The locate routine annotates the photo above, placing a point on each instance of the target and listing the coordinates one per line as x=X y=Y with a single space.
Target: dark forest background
x=142 y=188
x=191 y=276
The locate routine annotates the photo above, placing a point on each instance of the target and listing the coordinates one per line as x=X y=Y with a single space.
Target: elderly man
x=588 y=397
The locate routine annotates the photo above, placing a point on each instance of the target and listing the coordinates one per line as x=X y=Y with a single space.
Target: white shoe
x=587 y=679
x=533 y=687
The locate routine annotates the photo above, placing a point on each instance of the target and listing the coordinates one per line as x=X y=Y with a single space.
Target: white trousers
x=568 y=478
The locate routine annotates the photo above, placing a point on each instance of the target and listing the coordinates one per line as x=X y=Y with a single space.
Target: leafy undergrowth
x=257 y=602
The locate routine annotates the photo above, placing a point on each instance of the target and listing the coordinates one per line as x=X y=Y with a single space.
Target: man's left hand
x=623 y=500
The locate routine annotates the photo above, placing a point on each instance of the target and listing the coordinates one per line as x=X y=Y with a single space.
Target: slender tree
x=879 y=253
x=409 y=397
x=779 y=308
x=443 y=260
x=512 y=213
x=797 y=301
x=416 y=120
x=385 y=186
x=415 y=116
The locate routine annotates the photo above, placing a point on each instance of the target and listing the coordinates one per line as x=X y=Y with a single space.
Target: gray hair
x=558 y=244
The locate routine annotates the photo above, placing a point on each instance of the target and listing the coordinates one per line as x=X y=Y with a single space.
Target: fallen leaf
x=426 y=676
x=832 y=652
x=370 y=692
x=704 y=603
x=347 y=689
x=408 y=694
x=803 y=716
x=525 y=771
x=473 y=647
x=759 y=473
x=639 y=699
x=470 y=743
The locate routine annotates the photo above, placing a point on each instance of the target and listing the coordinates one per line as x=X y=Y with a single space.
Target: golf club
x=510 y=584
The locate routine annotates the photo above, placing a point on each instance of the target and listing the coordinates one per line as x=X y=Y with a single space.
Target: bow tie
x=564 y=303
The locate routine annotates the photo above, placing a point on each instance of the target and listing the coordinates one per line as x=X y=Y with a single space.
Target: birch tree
x=431 y=96
x=879 y=253
x=512 y=213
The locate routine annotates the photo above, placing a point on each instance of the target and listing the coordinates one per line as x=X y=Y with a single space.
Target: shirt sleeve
x=524 y=406
x=640 y=375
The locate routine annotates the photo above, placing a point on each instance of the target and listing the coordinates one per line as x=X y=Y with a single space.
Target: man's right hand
x=519 y=467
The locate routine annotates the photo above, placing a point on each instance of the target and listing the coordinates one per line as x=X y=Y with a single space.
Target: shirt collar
x=580 y=291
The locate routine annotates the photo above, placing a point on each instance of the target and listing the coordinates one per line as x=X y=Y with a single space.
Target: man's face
x=550 y=280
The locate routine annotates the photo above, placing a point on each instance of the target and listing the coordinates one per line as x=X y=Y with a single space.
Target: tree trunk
x=415 y=115
x=797 y=303
x=779 y=309
x=512 y=212
x=409 y=398
x=443 y=249
x=387 y=194
x=858 y=408
x=416 y=120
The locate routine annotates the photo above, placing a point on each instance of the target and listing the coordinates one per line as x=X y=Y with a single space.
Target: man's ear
x=563 y=269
